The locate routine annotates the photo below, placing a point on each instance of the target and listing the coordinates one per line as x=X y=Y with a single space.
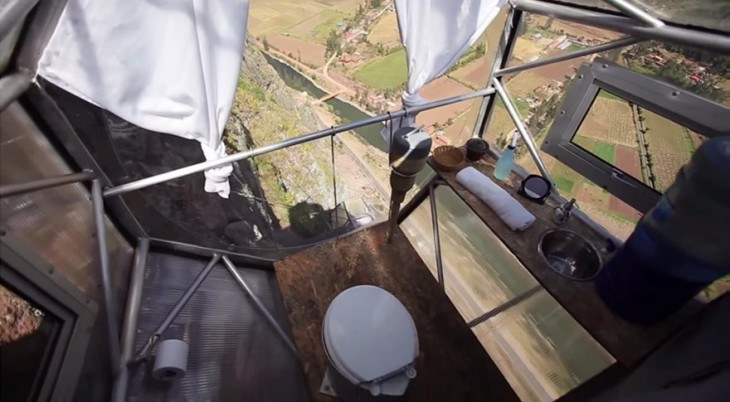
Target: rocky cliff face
x=266 y=111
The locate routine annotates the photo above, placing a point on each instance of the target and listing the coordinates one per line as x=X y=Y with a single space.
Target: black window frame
x=699 y=114
x=27 y=275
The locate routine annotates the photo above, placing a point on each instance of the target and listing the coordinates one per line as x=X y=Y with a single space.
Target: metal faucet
x=563 y=212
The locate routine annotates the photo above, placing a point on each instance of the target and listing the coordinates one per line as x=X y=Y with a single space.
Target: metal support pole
x=436 y=237
x=203 y=166
x=40 y=184
x=178 y=307
x=504 y=51
x=13 y=85
x=259 y=305
x=715 y=42
x=129 y=328
x=579 y=53
x=416 y=200
x=334 y=178
x=106 y=279
x=636 y=13
x=526 y=137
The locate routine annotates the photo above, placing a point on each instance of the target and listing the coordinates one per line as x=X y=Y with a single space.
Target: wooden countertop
x=452 y=364
x=627 y=342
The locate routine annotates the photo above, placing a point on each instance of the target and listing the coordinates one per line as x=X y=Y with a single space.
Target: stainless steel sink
x=570 y=254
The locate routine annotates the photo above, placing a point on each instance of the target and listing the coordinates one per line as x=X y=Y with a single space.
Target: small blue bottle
x=504 y=163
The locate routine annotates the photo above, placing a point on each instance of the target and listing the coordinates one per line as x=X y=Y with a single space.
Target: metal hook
x=333 y=131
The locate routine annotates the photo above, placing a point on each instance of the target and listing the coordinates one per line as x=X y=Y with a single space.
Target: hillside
x=266 y=111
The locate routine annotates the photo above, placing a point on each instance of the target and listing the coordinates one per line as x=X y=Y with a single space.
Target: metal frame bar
x=41 y=184
x=705 y=40
x=504 y=306
x=131 y=315
x=177 y=308
x=524 y=133
x=13 y=85
x=109 y=300
x=436 y=235
x=633 y=11
x=628 y=41
x=200 y=167
x=259 y=305
x=13 y=13
x=179 y=247
x=504 y=52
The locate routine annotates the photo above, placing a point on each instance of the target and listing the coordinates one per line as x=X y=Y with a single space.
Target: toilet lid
x=369 y=334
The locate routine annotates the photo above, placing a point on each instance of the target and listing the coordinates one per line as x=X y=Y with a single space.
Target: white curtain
x=165 y=65
x=435 y=34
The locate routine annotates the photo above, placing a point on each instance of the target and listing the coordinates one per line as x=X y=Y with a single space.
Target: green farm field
x=386 y=72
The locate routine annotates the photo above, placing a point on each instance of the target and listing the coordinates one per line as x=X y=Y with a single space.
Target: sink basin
x=569 y=254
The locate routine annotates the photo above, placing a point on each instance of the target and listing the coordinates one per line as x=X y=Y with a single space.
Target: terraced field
x=670 y=147
x=610 y=121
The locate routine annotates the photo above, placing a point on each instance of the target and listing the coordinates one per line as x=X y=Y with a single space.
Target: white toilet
x=371 y=342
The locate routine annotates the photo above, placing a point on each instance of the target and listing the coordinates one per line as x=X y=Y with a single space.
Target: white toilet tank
x=371 y=341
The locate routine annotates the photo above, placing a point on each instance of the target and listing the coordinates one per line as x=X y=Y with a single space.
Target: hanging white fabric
x=435 y=34
x=165 y=65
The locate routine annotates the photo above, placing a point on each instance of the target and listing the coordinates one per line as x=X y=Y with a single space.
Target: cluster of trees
x=333 y=44
x=474 y=53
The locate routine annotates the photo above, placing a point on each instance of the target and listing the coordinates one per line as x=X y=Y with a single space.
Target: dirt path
x=307 y=70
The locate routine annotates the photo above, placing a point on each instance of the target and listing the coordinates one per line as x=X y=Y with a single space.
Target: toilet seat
x=371 y=339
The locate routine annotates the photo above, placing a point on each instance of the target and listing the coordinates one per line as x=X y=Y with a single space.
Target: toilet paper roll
x=171 y=360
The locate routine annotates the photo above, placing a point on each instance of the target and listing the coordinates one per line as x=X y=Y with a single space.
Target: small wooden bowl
x=447 y=157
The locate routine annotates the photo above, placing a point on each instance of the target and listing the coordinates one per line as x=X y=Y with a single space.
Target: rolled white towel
x=507 y=208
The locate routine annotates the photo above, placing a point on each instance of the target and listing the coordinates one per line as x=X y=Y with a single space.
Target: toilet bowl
x=371 y=342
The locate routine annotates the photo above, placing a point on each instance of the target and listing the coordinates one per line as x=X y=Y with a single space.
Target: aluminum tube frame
x=436 y=236
x=260 y=305
x=131 y=314
x=526 y=136
x=504 y=306
x=203 y=166
x=711 y=41
x=178 y=307
x=579 y=53
x=636 y=13
x=13 y=13
x=13 y=85
x=106 y=279
x=40 y=184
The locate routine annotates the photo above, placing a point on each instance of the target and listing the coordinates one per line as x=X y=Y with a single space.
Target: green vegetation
x=563 y=184
x=322 y=31
x=605 y=151
x=522 y=107
x=474 y=53
x=333 y=44
x=387 y=72
x=602 y=149
x=608 y=95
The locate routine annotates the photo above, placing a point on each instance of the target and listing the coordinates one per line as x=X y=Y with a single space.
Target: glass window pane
x=542 y=351
x=480 y=273
x=700 y=13
x=611 y=128
x=648 y=146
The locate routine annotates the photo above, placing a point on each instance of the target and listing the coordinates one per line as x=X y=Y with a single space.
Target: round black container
x=476 y=148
